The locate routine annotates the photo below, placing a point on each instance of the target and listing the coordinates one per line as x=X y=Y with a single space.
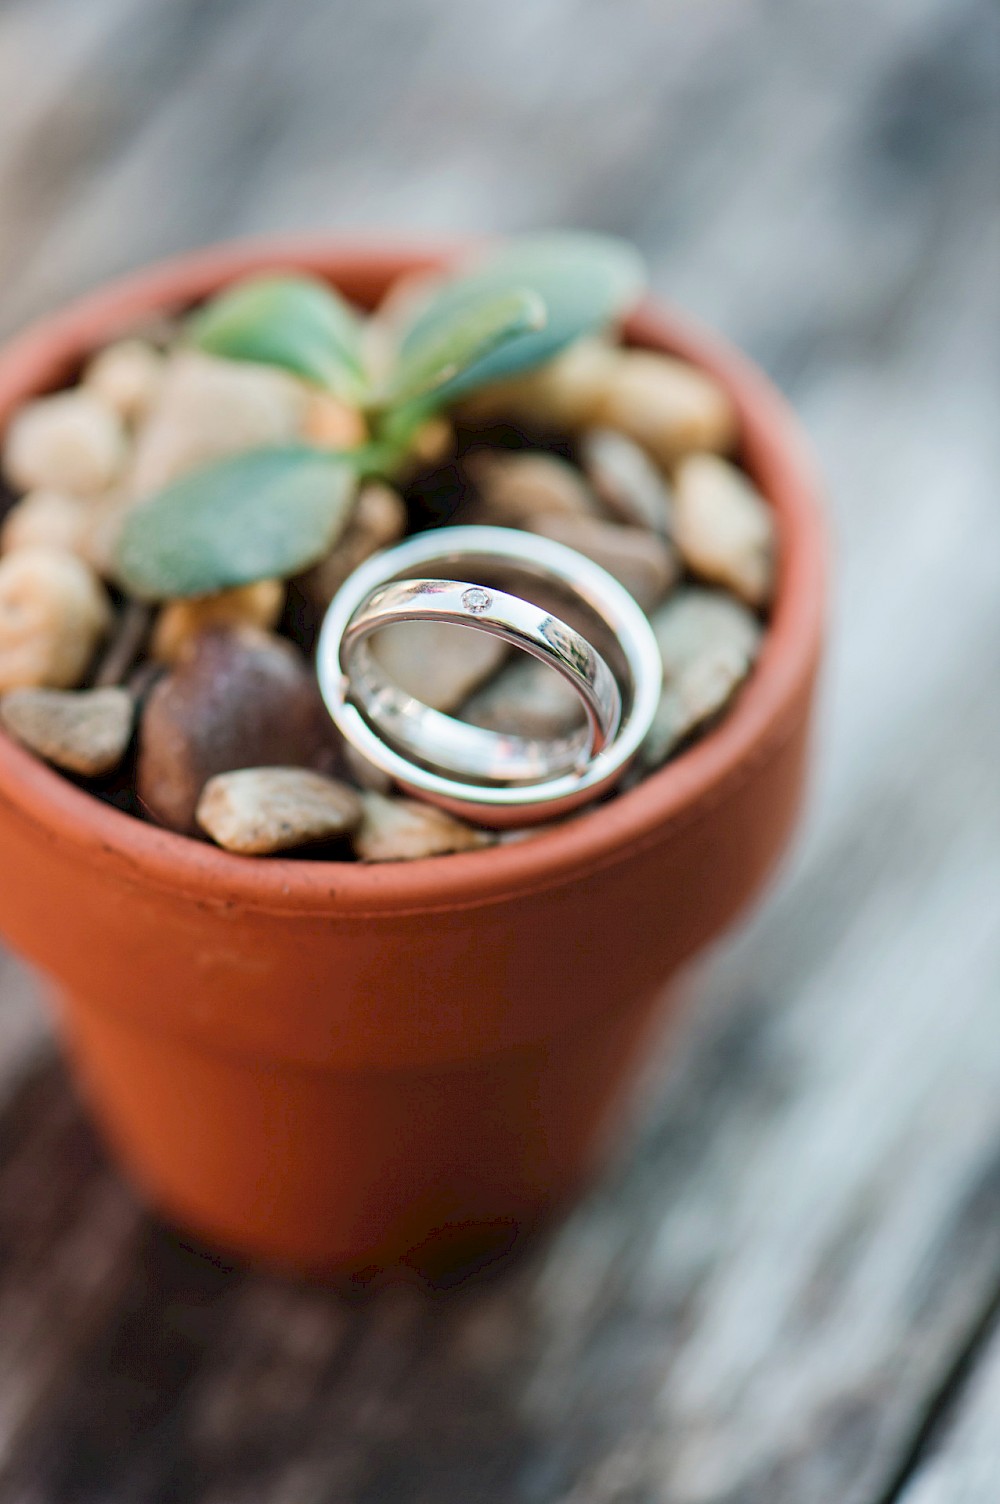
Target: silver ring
x=486 y=776
x=452 y=746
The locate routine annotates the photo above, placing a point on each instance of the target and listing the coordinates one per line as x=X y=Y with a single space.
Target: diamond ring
x=493 y=777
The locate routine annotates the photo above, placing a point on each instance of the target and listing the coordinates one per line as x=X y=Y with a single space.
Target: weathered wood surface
x=784 y=1291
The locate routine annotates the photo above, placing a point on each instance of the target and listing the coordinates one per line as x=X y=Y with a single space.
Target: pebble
x=332 y=424
x=709 y=643
x=626 y=480
x=208 y=408
x=526 y=699
x=256 y=605
x=436 y=662
x=401 y=830
x=238 y=698
x=724 y=528
x=669 y=407
x=126 y=376
x=71 y=442
x=46 y=519
x=643 y=562
x=54 y=613
x=82 y=731
x=564 y=394
x=514 y=489
x=378 y=519
x=257 y=811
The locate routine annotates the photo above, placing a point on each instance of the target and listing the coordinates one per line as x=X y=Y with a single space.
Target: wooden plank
x=764 y=1301
x=965 y=1466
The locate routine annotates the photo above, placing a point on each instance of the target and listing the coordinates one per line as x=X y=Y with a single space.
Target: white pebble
x=46 y=519
x=126 y=376
x=53 y=615
x=71 y=441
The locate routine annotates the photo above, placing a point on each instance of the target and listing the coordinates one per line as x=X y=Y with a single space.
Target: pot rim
x=680 y=793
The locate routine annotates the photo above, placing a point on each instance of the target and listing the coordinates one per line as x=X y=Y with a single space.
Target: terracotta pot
x=339 y=1067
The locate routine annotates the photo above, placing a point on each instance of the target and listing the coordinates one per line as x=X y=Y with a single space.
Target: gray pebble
x=626 y=480
x=84 y=731
x=708 y=642
x=257 y=811
x=436 y=662
x=400 y=830
x=526 y=699
x=641 y=561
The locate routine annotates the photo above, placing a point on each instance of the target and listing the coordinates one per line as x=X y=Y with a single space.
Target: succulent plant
x=273 y=512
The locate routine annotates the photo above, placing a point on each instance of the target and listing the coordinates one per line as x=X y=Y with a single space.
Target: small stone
x=669 y=407
x=71 y=442
x=401 y=830
x=564 y=394
x=238 y=698
x=709 y=643
x=330 y=423
x=82 y=731
x=433 y=442
x=126 y=377
x=54 y=614
x=643 y=562
x=514 y=489
x=527 y=698
x=626 y=480
x=46 y=519
x=438 y=663
x=208 y=408
x=724 y=528
x=378 y=519
x=256 y=605
x=256 y=811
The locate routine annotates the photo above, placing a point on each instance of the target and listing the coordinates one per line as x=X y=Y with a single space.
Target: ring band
x=379 y=720
x=449 y=745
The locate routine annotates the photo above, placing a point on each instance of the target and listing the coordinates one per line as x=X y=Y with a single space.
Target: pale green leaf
x=263 y=515
x=437 y=352
x=295 y=322
x=586 y=282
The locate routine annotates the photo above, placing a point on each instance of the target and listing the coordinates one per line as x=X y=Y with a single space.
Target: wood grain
x=782 y=1291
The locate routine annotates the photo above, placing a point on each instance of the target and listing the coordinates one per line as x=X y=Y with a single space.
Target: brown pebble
x=669 y=407
x=515 y=489
x=238 y=698
x=725 y=528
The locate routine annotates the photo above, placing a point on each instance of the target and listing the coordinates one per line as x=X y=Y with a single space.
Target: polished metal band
x=484 y=775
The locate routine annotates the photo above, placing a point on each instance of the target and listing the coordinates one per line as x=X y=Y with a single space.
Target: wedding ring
x=493 y=777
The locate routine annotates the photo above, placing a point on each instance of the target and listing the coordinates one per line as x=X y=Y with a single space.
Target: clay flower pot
x=341 y=1067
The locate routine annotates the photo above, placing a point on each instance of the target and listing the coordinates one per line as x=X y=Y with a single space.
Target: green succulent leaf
x=586 y=282
x=435 y=353
x=295 y=322
x=262 y=515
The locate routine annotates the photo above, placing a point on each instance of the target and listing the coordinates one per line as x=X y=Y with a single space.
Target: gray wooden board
x=783 y=1291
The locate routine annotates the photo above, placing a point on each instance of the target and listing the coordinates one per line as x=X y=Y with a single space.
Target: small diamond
x=477 y=600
